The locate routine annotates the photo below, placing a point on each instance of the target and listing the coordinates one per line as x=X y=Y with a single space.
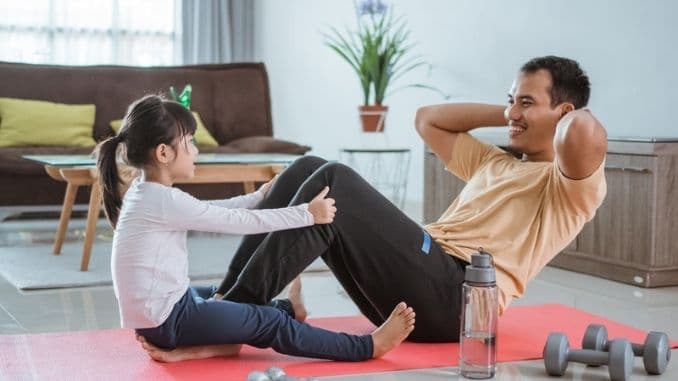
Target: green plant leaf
x=406 y=69
x=347 y=49
x=380 y=52
x=421 y=86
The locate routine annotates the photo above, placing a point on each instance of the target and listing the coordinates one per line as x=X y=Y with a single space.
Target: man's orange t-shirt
x=523 y=213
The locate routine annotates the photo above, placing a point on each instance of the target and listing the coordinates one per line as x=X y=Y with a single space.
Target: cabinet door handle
x=629 y=169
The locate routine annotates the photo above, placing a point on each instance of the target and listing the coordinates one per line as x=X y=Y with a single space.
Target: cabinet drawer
x=621 y=232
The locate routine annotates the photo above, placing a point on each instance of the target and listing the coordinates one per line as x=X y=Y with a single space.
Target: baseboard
x=637 y=275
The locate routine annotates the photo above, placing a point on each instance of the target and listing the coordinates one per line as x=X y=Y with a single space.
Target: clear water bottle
x=479 y=313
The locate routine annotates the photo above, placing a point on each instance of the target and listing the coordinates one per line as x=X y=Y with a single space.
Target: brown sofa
x=232 y=99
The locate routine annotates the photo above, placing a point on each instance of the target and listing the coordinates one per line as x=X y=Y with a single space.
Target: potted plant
x=380 y=53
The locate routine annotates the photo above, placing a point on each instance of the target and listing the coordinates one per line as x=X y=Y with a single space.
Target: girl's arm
x=184 y=212
x=246 y=201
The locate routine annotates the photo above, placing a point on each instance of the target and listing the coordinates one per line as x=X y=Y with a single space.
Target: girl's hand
x=322 y=209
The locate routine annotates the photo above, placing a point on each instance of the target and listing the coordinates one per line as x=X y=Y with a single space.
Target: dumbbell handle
x=638 y=349
x=588 y=356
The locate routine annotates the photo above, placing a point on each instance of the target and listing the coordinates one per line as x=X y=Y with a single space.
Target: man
x=521 y=210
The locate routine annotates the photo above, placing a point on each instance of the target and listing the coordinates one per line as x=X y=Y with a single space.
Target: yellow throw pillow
x=202 y=136
x=26 y=122
x=116 y=125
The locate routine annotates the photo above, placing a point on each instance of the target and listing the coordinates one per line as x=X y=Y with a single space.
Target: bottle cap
x=481 y=269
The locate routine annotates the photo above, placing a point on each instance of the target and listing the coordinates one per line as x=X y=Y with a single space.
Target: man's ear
x=565 y=108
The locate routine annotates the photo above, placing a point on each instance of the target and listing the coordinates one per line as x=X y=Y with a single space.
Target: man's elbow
x=421 y=120
x=583 y=128
x=580 y=146
x=589 y=129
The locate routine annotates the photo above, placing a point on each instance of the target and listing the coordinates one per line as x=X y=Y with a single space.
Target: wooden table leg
x=66 y=210
x=92 y=218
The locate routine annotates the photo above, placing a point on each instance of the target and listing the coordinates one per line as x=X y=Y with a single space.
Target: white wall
x=627 y=47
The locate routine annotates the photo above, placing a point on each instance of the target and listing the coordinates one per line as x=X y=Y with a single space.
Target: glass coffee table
x=80 y=170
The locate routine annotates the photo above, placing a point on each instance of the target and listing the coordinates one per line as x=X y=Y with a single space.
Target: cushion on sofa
x=202 y=136
x=27 y=122
x=253 y=144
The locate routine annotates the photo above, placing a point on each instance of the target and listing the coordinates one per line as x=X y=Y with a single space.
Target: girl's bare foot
x=188 y=353
x=394 y=330
x=294 y=295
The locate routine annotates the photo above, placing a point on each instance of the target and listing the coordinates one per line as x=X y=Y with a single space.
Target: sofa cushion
x=217 y=149
x=25 y=122
x=253 y=144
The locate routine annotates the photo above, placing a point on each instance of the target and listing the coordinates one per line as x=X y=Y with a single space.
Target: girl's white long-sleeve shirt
x=149 y=263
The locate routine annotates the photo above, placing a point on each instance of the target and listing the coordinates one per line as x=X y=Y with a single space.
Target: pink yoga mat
x=115 y=355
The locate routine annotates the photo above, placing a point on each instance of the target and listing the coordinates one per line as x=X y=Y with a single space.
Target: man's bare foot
x=294 y=295
x=394 y=330
x=188 y=353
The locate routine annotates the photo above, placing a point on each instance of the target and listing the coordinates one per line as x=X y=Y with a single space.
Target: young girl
x=149 y=262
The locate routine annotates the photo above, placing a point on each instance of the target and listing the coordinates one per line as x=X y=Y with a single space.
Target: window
x=91 y=32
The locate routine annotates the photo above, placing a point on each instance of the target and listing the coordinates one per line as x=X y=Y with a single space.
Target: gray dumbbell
x=275 y=373
x=271 y=374
x=258 y=376
x=557 y=354
x=655 y=350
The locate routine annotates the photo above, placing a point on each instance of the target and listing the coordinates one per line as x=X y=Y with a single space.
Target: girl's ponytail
x=109 y=179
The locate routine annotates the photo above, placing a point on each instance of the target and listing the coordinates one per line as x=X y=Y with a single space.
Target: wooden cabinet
x=634 y=236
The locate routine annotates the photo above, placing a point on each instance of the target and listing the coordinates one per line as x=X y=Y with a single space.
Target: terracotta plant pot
x=373 y=117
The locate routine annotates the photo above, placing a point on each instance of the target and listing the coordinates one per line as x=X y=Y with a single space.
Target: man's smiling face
x=532 y=118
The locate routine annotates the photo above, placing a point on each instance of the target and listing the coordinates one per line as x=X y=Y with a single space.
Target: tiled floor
x=650 y=309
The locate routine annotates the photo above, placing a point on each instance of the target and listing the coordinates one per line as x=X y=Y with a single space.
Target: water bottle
x=478 y=333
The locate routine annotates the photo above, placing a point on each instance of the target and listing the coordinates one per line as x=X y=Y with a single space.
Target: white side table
x=385 y=168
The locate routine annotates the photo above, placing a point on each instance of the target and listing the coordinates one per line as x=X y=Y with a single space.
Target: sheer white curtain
x=217 y=31
x=91 y=32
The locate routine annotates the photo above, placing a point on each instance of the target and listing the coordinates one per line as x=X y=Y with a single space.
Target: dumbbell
x=557 y=354
x=273 y=374
x=655 y=351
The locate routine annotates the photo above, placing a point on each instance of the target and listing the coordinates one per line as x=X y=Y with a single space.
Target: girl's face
x=186 y=152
